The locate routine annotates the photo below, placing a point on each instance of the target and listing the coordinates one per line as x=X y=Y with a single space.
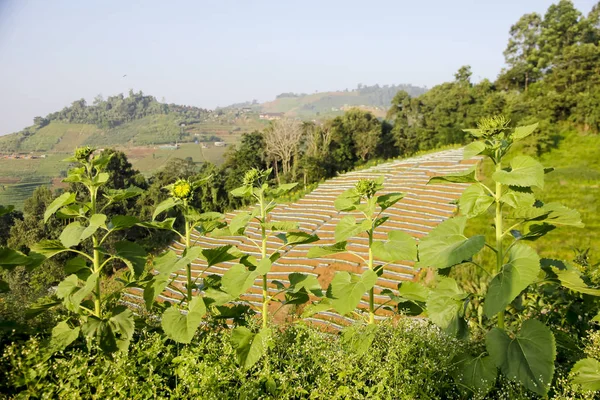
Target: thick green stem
x=96 y=254
x=263 y=253
x=97 y=269
x=498 y=222
x=189 y=266
x=371 y=291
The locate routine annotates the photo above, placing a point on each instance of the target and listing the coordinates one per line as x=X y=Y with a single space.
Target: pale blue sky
x=213 y=53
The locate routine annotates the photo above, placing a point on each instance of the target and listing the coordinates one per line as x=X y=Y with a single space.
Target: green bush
x=411 y=359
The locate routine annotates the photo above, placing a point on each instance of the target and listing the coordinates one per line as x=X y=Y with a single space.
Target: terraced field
x=423 y=207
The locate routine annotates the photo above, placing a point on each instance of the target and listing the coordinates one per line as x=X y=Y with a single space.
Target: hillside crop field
x=423 y=207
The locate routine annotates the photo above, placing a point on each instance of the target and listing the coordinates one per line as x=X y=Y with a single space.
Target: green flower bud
x=366 y=187
x=252 y=177
x=494 y=126
x=182 y=189
x=83 y=154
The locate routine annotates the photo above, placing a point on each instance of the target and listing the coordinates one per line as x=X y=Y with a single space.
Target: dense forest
x=552 y=78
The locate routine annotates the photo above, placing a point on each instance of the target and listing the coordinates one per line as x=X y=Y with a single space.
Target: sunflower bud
x=366 y=187
x=252 y=177
x=182 y=189
x=82 y=154
x=494 y=127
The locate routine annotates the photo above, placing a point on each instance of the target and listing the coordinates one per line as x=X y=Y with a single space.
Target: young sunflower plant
x=251 y=346
x=181 y=320
x=346 y=290
x=522 y=349
x=94 y=310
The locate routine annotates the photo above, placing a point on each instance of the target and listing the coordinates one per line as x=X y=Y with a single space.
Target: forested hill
x=374 y=98
x=138 y=119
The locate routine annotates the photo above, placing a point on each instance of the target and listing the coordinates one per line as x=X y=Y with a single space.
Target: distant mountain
x=374 y=98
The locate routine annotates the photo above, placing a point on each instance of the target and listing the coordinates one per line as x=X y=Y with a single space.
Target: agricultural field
x=149 y=159
x=423 y=208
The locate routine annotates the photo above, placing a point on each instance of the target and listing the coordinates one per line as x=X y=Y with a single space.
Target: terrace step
x=422 y=209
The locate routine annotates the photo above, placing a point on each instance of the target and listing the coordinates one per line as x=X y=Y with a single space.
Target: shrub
x=407 y=360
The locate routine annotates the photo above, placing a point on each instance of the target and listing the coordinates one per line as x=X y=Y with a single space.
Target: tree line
x=552 y=76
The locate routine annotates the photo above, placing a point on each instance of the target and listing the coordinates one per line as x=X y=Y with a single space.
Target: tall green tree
x=522 y=51
x=562 y=27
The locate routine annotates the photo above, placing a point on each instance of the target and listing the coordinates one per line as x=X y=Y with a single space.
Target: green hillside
x=374 y=98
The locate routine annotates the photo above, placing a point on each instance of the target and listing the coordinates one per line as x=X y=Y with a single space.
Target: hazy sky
x=213 y=53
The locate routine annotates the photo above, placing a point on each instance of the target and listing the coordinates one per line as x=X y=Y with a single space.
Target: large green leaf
x=347 y=200
x=282 y=226
x=399 y=246
x=446 y=245
x=237 y=280
x=387 y=200
x=10 y=258
x=571 y=279
x=67 y=286
x=166 y=224
x=586 y=373
x=347 y=289
x=297 y=237
x=99 y=329
x=61 y=201
x=528 y=357
x=561 y=215
x=238 y=223
x=516 y=199
x=96 y=221
x=49 y=248
x=122 y=323
x=73 y=300
x=467 y=176
x=347 y=228
x=300 y=281
x=100 y=179
x=115 y=195
x=474 y=201
x=520 y=271
x=165 y=264
x=220 y=254
x=524 y=171
x=62 y=336
x=521 y=132
x=133 y=255
x=320 y=251
x=164 y=206
x=282 y=189
x=473 y=149
x=114 y=333
x=181 y=328
x=413 y=291
x=119 y=222
x=445 y=303
x=71 y=235
x=478 y=374
x=249 y=346
x=242 y=191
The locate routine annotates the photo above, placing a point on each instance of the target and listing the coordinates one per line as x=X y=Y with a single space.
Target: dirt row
x=423 y=207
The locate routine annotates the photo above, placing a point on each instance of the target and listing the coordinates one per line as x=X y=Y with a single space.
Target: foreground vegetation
x=497 y=318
